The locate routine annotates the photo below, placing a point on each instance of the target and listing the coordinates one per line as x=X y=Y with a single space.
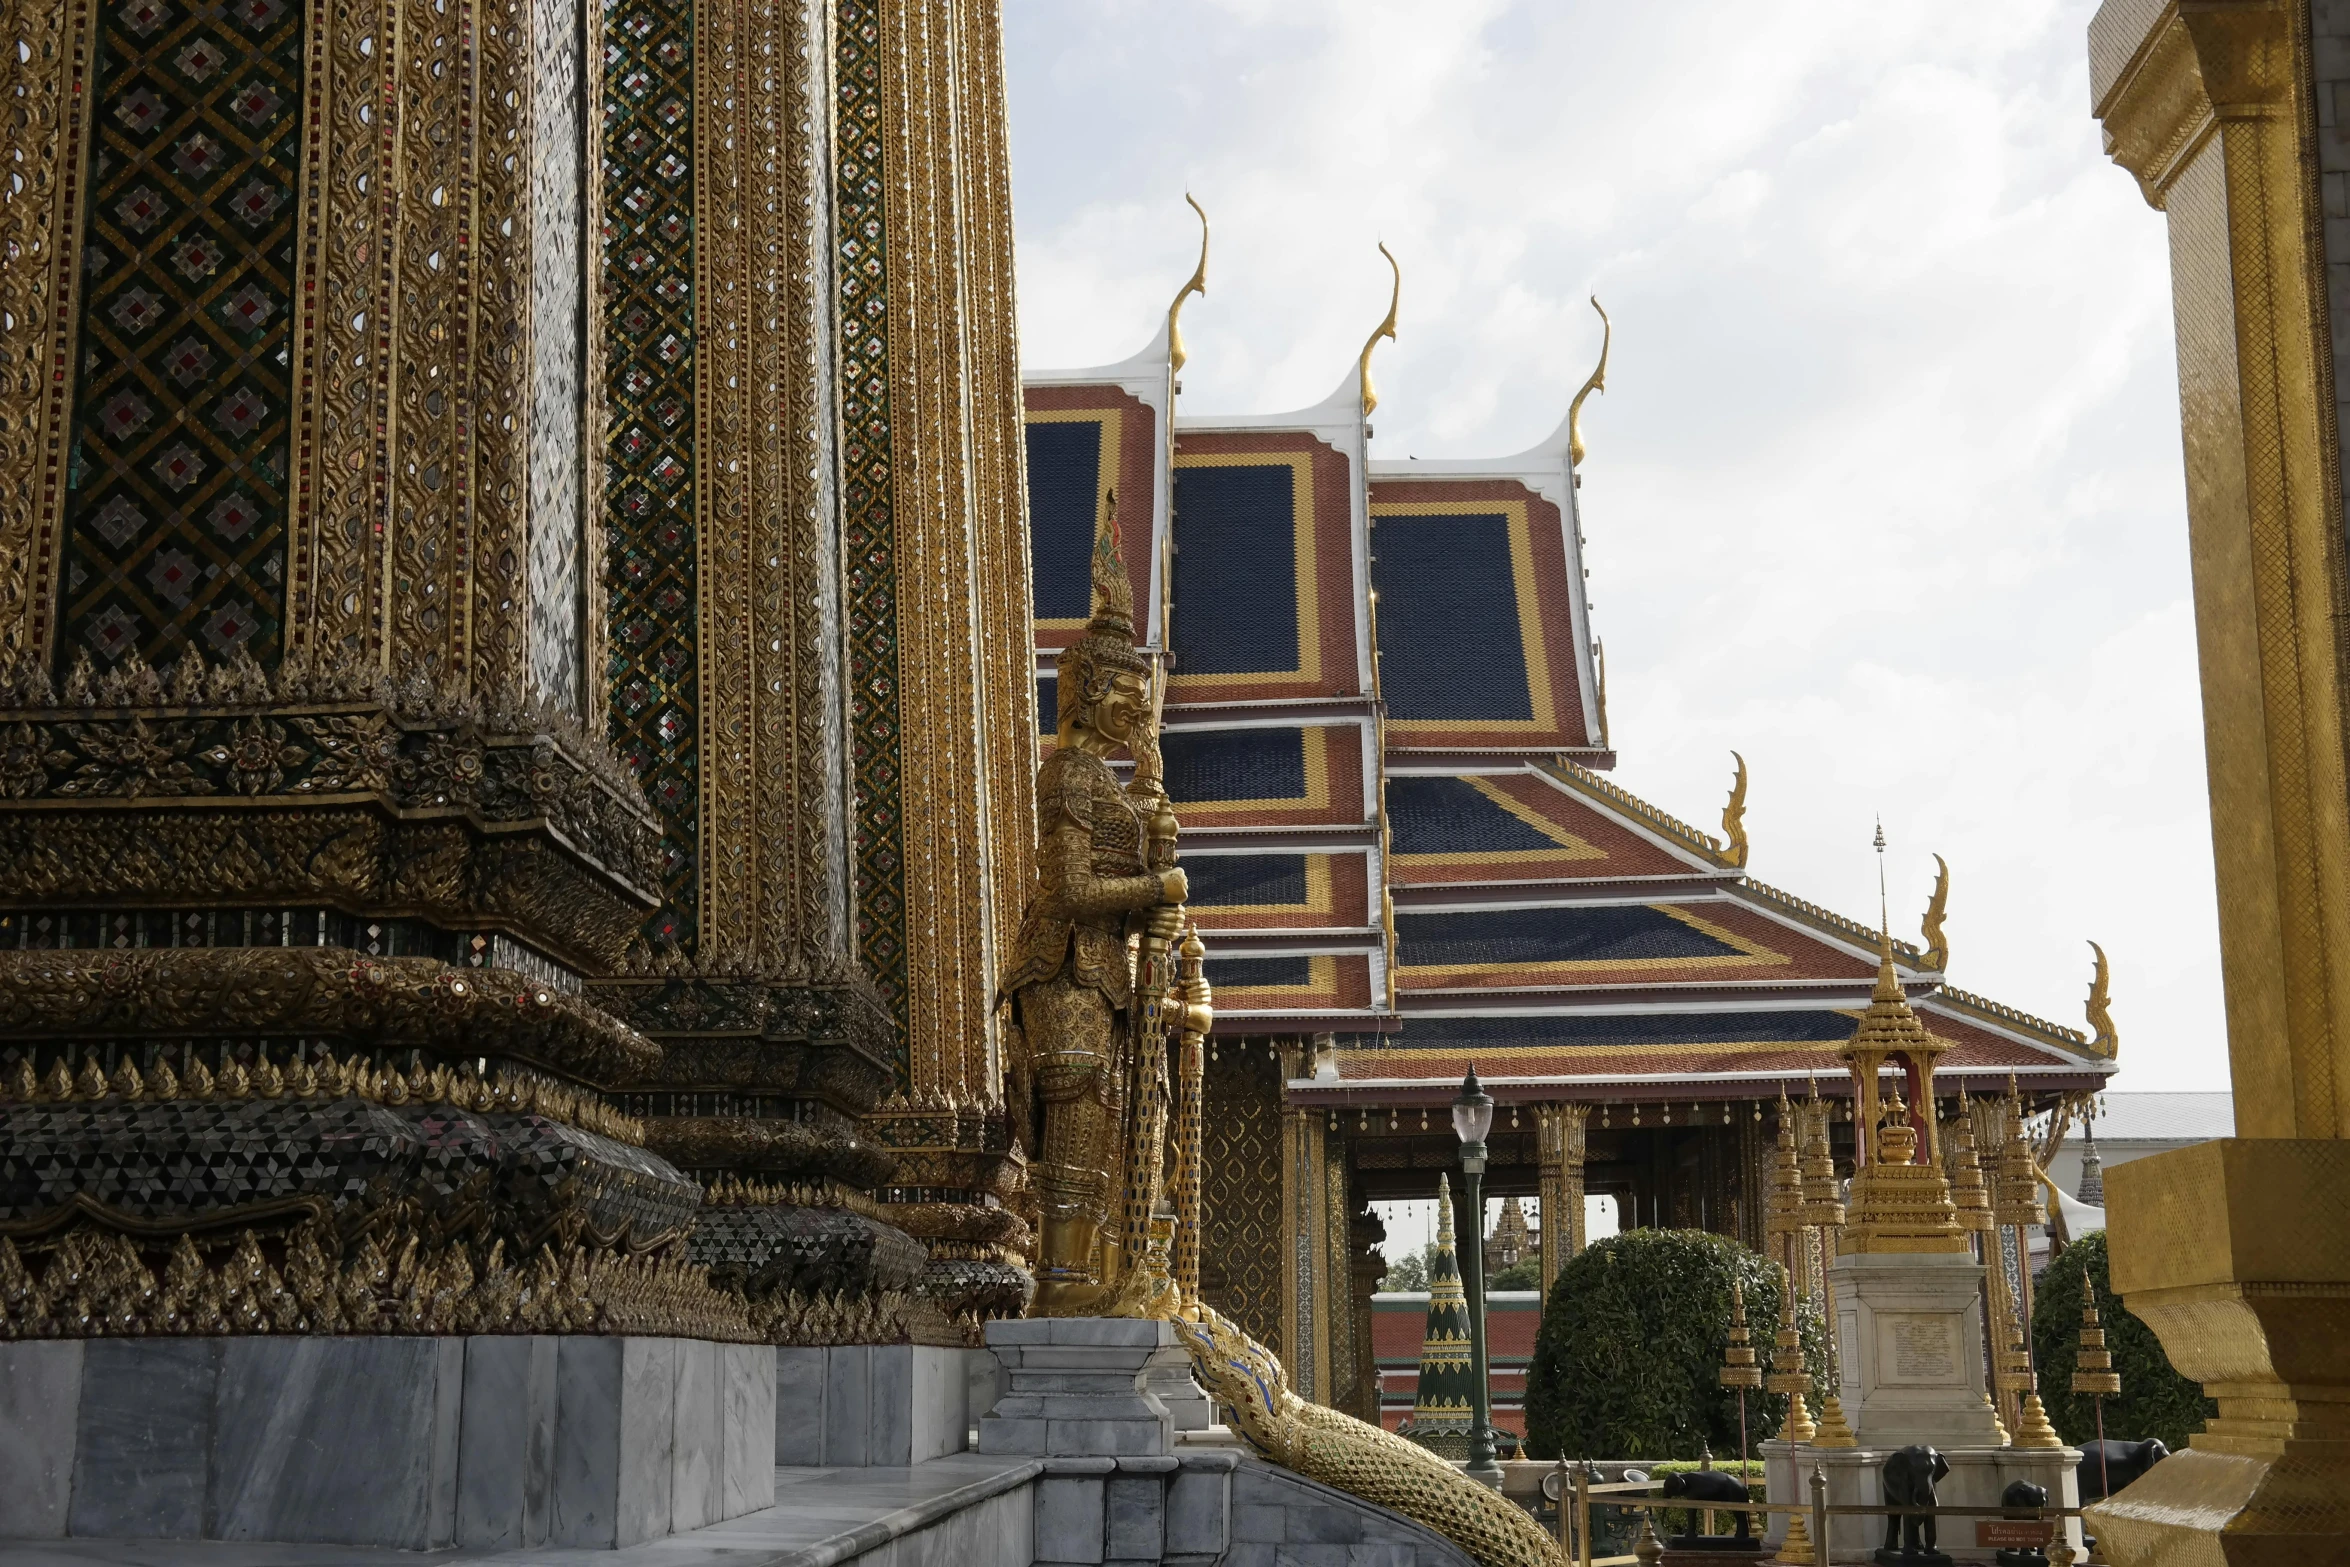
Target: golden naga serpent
x=1361 y=1460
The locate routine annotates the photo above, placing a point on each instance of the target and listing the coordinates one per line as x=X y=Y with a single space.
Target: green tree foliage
x=1410 y=1271
x=1524 y=1274
x=2155 y=1400
x=1627 y=1360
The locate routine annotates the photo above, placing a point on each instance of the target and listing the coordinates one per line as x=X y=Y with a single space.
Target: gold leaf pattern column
x=2217 y=110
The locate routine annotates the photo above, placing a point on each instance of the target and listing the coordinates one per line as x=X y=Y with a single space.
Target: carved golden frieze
x=91 y=1283
x=317 y=993
x=321 y=1077
x=223 y=785
x=732 y=1191
x=766 y=1146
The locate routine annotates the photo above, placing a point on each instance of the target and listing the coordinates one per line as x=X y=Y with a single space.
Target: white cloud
x=1884 y=491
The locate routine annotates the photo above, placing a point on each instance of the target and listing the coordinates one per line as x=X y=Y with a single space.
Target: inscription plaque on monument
x=1919 y=1347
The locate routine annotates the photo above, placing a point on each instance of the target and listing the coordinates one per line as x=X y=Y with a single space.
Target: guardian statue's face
x=1118 y=717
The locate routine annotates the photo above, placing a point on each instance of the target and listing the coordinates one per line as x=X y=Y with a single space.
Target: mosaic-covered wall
x=1241 y=1255
x=177 y=463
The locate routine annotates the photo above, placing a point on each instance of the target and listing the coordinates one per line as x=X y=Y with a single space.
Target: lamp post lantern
x=1472 y=1118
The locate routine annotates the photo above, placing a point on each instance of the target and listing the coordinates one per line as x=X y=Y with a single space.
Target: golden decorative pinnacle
x=2093 y=1371
x=1784 y=1195
x=2034 y=1430
x=1796 y=1549
x=1937 y=955
x=1738 y=1365
x=1788 y=1372
x=1197 y=285
x=1834 y=1429
x=1384 y=329
x=2104 y=1039
x=1734 y=817
x=1597 y=383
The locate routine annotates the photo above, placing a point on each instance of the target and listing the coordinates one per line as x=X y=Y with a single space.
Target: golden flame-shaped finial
x=1734 y=817
x=1597 y=383
x=1937 y=944
x=1384 y=329
x=2104 y=1038
x=1113 y=592
x=1197 y=285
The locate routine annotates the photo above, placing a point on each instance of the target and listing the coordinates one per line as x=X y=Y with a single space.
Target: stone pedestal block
x=1173 y=1385
x=1142 y=1510
x=1077 y=1388
x=860 y=1405
x=1978 y=1476
x=1910 y=1333
x=488 y=1442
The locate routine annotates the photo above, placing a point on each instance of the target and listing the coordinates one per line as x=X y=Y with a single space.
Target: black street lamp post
x=1472 y=1118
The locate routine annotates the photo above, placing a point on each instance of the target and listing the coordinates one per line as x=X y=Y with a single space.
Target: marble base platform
x=1079 y=1387
x=1977 y=1478
x=878 y=1405
x=490 y=1441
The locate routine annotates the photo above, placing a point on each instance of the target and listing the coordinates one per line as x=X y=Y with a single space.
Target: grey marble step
x=965 y=1510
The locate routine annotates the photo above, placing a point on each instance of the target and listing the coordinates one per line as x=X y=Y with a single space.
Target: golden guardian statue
x=1088 y=985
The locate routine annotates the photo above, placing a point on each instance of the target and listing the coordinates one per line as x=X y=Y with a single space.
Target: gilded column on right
x=2237 y=1252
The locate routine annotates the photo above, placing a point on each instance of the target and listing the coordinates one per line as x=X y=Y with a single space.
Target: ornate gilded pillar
x=1366 y=1266
x=1559 y=1132
x=724 y=586
x=1305 y=1214
x=942 y=722
x=2225 y=112
x=1338 y=1269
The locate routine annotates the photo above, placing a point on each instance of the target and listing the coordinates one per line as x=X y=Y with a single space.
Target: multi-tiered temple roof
x=1386 y=734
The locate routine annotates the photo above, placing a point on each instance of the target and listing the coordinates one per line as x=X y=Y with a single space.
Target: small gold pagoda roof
x=1890 y=1027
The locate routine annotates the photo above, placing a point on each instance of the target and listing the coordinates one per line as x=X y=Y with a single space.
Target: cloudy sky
x=1884 y=490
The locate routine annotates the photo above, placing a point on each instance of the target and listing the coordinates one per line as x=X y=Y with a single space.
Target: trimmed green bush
x=1626 y=1362
x=2155 y=1400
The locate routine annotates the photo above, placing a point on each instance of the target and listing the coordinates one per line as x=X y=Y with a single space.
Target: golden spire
x=1788 y=1373
x=1823 y=1207
x=1197 y=285
x=1738 y=1367
x=2093 y=1371
x=1113 y=591
x=1783 y=1199
x=2104 y=1039
x=1384 y=329
x=1969 y=1193
x=1734 y=817
x=1444 y=1234
x=1937 y=944
x=1597 y=383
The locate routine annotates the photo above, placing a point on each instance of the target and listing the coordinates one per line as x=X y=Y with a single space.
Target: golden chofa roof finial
x=1384 y=329
x=1597 y=383
x=2104 y=1038
x=1734 y=817
x=1937 y=955
x=1197 y=285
